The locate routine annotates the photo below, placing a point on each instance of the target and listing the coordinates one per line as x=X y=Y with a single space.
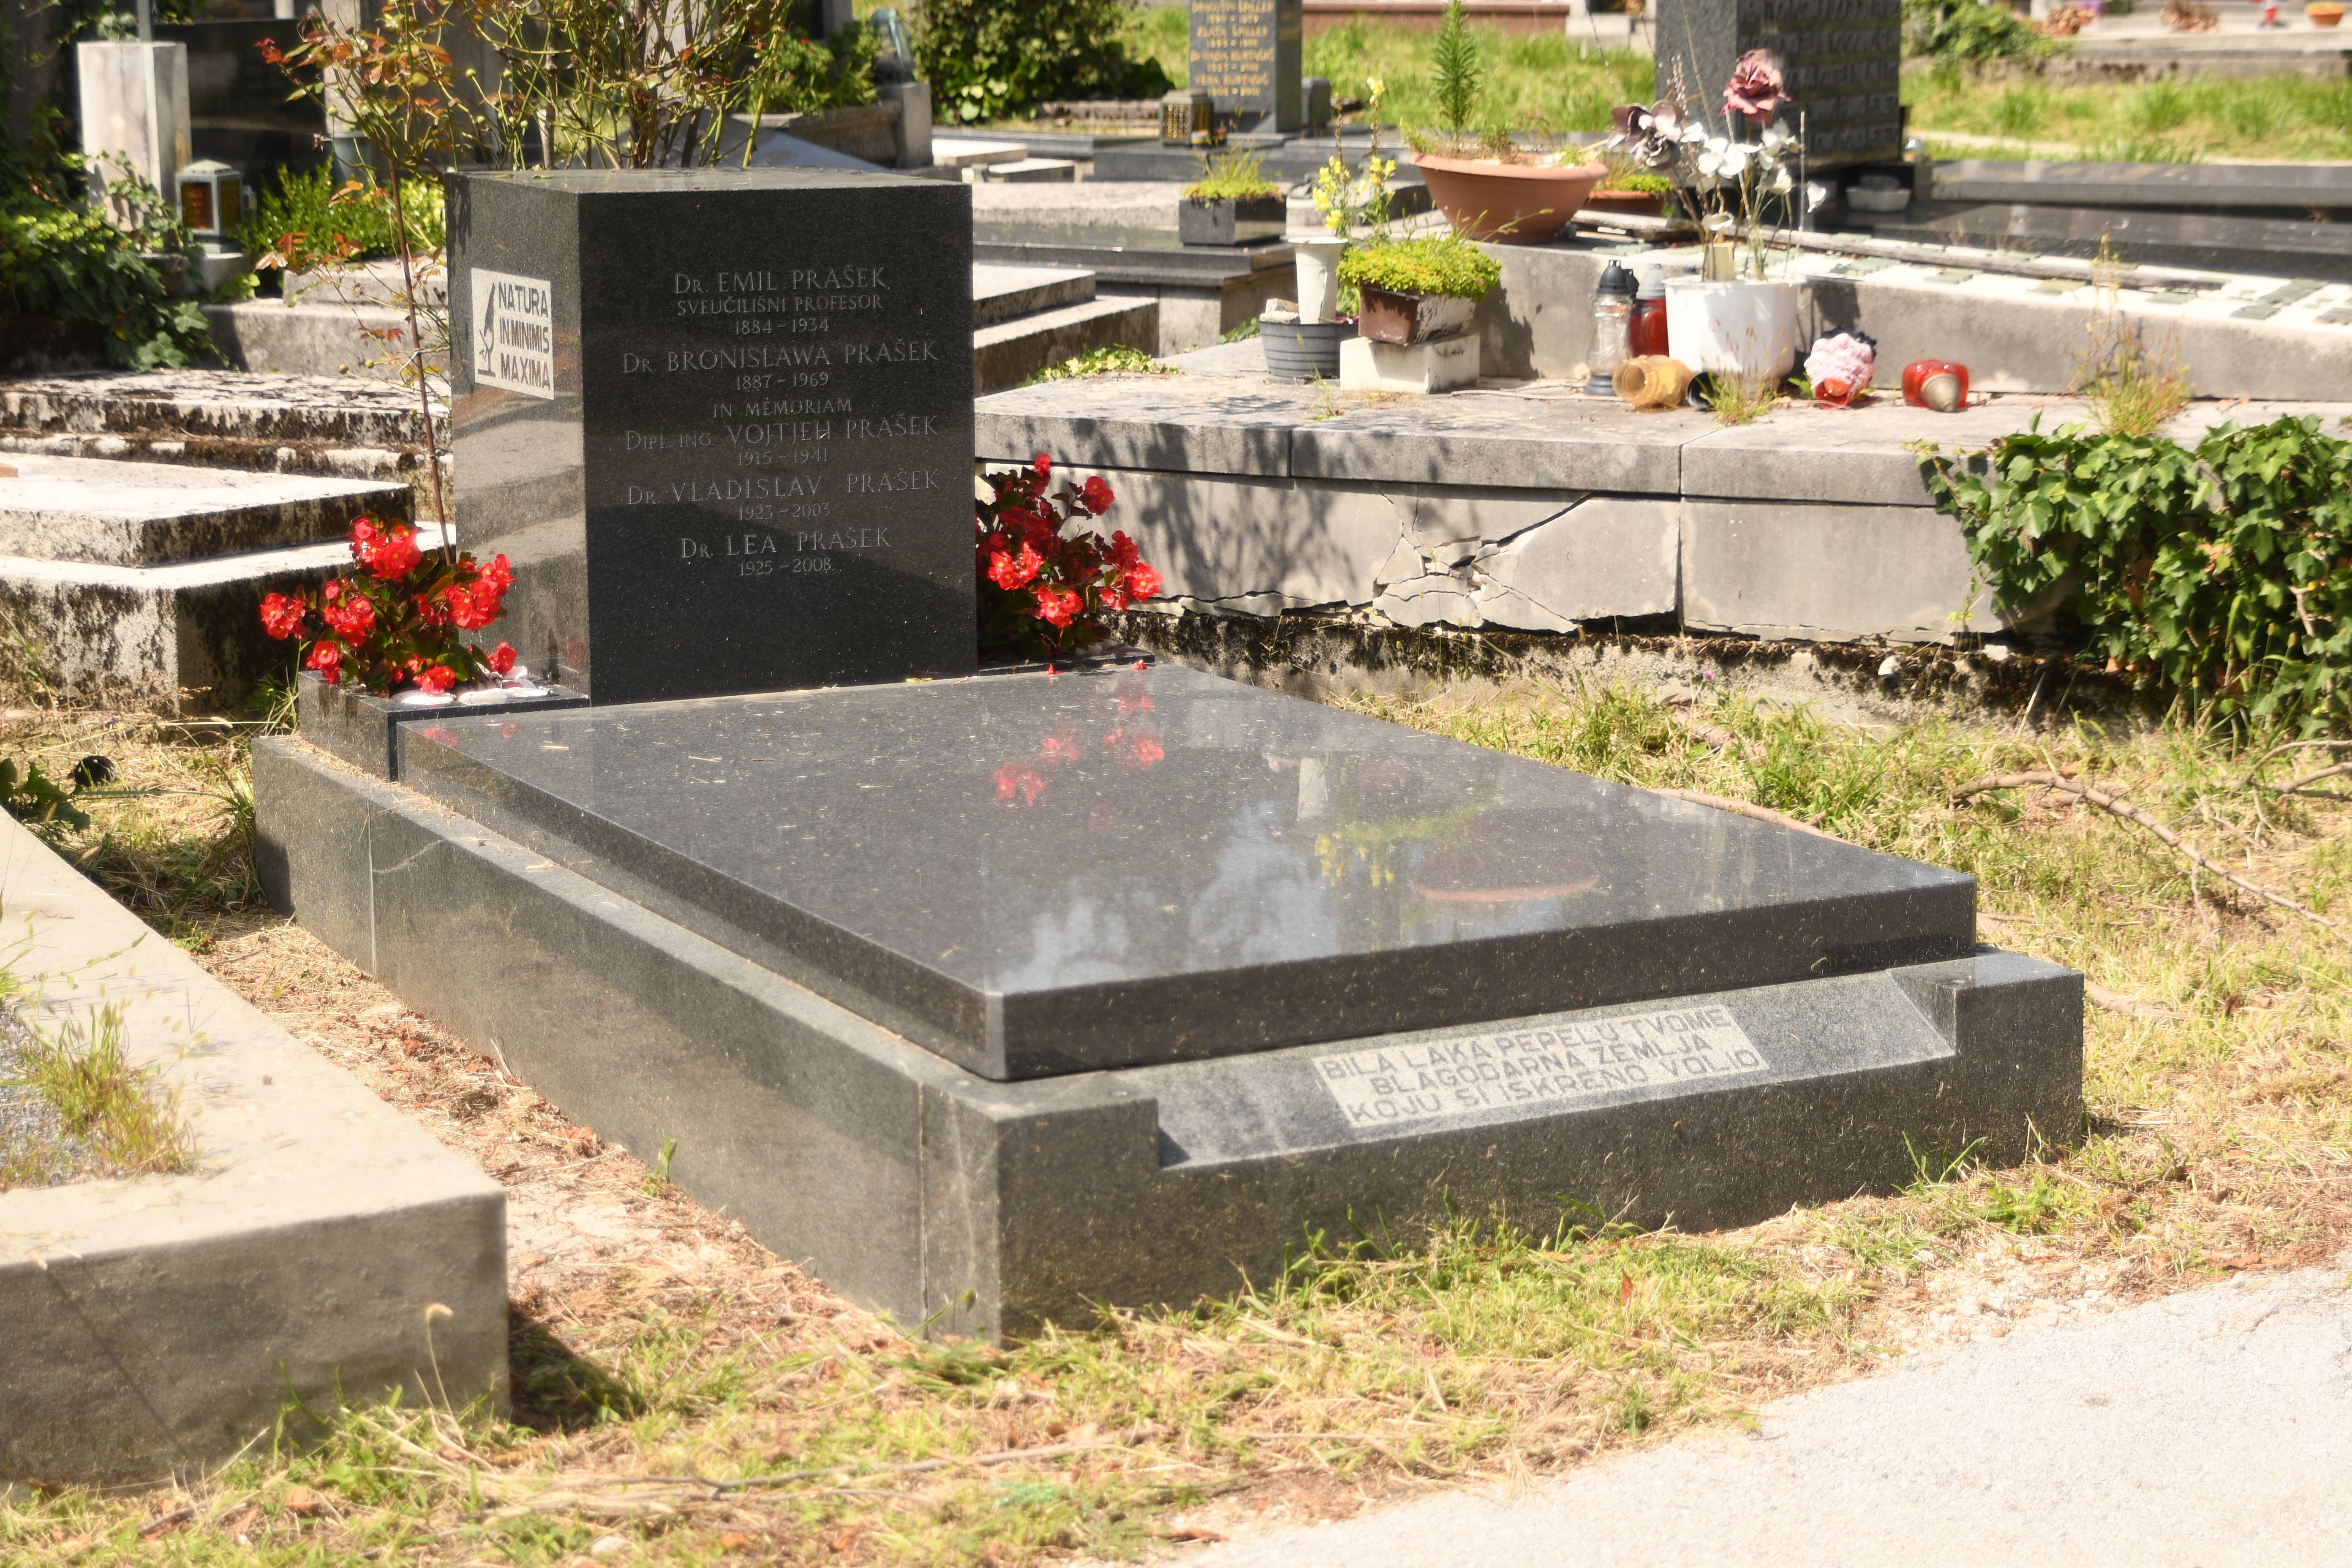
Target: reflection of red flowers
x=1147 y=752
x=1134 y=702
x=1018 y=779
x=1061 y=748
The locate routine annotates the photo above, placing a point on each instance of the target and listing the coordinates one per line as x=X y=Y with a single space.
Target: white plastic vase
x=1318 y=275
x=1738 y=327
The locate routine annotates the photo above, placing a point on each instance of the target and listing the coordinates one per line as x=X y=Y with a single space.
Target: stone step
x=1029 y=171
x=1009 y=352
x=183 y=633
x=107 y=513
x=1000 y=293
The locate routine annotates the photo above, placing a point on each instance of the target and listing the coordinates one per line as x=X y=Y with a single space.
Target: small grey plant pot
x=1303 y=350
x=1232 y=221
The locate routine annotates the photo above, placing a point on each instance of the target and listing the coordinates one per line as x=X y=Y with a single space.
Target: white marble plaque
x=514 y=332
x=1528 y=1067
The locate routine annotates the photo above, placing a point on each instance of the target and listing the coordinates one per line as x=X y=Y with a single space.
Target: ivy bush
x=988 y=60
x=1970 y=33
x=2223 y=571
x=69 y=263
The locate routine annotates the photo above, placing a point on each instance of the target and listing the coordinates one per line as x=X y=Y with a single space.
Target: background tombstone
x=1244 y=54
x=721 y=421
x=1842 y=59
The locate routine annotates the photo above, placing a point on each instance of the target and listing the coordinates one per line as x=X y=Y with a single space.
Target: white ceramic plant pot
x=1318 y=275
x=1739 y=328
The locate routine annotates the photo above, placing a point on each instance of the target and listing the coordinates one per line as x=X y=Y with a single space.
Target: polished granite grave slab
x=1038 y=874
x=974 y=1206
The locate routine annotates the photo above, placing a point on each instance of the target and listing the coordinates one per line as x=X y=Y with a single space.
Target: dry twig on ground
x=2114 y=806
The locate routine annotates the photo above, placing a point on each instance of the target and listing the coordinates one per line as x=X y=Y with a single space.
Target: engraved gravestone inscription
x=1842 y=60
x=1245 y=55
x=721 y=421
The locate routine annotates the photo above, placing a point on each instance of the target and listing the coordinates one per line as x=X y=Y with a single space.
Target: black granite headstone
x=1245 y=55
x=721 y=421
x=1842 y=60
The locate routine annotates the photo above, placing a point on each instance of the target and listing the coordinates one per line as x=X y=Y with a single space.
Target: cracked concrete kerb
x=150 y=1328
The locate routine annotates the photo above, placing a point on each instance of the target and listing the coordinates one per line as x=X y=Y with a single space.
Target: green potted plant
x=1416 y=290
x=1232 y=203
x=1485 y=183
x=1628 y=189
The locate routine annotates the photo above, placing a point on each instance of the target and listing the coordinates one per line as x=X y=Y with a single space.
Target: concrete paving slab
x=2205 y=1430
x=155 y=1325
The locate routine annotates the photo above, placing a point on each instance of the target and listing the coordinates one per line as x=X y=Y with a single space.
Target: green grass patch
x=1531 y=81
x=1482 y=1348
x=121 y=1122
x=2271 y=118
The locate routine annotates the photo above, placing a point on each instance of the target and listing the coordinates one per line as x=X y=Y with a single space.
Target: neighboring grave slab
x=1245 y=55
x=1842 y=58
x=1032 y=874
x=721 y=421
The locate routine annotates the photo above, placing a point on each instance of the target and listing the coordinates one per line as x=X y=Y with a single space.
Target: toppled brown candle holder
x=1652 y=381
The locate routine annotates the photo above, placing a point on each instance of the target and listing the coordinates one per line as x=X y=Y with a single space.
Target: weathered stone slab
x=146 y=634
x=326 y=1248
x=1216 y=538
x=1033 y=875
x=993 y=1208
x=145 y=514
x=1176 y=424
x=1551 y=442
x=1827 y=573
x=1607 y=557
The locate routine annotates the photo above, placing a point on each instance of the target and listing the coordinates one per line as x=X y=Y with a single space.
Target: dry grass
x=655 y=1343
x=120 y=1121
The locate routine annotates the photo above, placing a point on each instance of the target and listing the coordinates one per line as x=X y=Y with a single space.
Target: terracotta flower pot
x=1628 y=204
x=2325 y=16
x=1518 y=204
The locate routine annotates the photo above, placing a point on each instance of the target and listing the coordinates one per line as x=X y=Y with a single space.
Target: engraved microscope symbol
x=485 y=341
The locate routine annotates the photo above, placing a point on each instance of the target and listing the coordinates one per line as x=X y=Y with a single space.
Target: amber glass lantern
x=1187 y=118
x=209 y=200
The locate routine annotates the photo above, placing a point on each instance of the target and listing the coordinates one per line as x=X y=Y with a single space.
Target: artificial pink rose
x=1755 y=92
x=1840 y=367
